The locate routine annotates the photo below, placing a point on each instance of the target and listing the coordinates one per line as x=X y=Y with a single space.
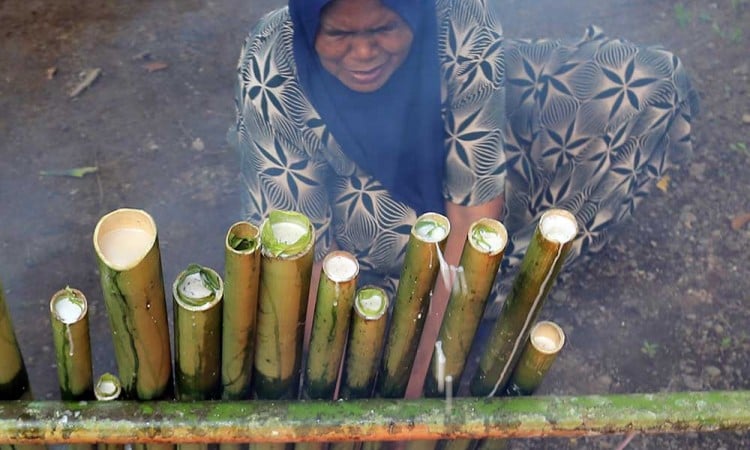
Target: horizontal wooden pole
x=374 y=419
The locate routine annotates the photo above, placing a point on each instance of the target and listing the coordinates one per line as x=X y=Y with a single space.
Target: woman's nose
x=363 y=46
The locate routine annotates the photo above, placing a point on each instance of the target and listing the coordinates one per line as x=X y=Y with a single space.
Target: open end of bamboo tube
x=340 y=266
x=286 y=234
x=198 y=288
x=547 y=337
x=431 y=227
x=107 y=387
x=243 y=238
x=558 y=225
x=371 y=303
x=124 y=237
x=68 y=305
x=488 y=236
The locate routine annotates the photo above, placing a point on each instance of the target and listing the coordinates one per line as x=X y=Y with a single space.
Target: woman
x=363 y=114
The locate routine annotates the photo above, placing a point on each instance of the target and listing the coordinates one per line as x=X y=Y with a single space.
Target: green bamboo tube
x=546 y=339
x=457 y=444
x=492 y=444
x=127 y=249
x=197 y=294
x=287 y=240
x=543 y=260
x=480 y=261
x=365 y=345
x=108 y=389
x=14 y=381
x=333 y=307
x=241 y=277
x=70 y=333
x=421 y=265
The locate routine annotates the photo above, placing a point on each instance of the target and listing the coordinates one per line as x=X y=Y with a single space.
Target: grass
x=649 y=349
x=682 y=15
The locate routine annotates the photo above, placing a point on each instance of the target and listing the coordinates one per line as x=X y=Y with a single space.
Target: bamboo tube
x=543 y=260
x=333 y=307
x=14 y=381
x=108 y=389
x=365 y=346
x=287 y=240
x=546 y=339
x=421 y=265
x=457 y=444
x=480 y=261
x=70 y=332
x=241 y=277
x=197 y=294
x=127 y=249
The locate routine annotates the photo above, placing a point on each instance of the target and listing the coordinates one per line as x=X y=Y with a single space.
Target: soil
x=663 y=308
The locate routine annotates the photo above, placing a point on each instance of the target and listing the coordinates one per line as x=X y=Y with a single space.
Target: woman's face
x=362 y=42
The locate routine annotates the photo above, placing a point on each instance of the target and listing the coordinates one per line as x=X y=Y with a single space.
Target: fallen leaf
x=740 y=221
x=90 y=76
x=155 y=66
x=51 y=72
x=746 y=118
x=663 y=183
x=78 y=172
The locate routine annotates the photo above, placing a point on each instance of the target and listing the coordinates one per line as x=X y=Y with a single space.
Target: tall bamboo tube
x=546 y=339
x=479 y=263
x=287 y=240
x=14 y=381
x=421 y=265
x=241 y=277
x=197 y=294
x=333 y=307
x=543 y=260
x=127 y=249
x=108 y=389
x=70 y=332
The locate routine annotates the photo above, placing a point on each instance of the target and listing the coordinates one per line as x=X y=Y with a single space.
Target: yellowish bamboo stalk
x=70 y=332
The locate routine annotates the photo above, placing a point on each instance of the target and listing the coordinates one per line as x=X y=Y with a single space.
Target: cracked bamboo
x=70 y=333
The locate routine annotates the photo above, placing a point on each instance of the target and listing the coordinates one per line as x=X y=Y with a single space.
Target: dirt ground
x=664 y=308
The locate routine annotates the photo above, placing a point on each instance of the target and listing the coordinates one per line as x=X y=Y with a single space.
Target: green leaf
x=78 y=172
x=279 y=245
x=242 y=244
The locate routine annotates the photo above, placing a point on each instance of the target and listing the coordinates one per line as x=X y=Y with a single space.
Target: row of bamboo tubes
x=241 y=336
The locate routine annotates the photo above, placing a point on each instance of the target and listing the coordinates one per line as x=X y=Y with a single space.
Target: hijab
x=395 y=133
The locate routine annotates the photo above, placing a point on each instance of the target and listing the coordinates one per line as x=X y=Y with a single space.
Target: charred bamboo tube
x=377 y=419
x=543 y=260
x=479 y=263
x=545 y=342
x=107 y=389
x=366 y=339
x=241 y=277
x=333 y=307
x=287 y=240
x=197 y=294
x=14 y=381
x=70 y=332
x=127 y=249
x=421 y=265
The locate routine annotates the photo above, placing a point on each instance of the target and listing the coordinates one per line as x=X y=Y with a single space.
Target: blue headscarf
x=396 y=133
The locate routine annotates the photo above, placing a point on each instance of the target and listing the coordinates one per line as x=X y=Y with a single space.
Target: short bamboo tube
x=14 y=381
x=70 y=333
x=421 y=266
x=543 y=260
x=108 y=389
x=127 y=250
x=546 y=340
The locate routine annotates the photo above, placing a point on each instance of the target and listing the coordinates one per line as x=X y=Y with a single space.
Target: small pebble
x=713 y=371
x=746 y=118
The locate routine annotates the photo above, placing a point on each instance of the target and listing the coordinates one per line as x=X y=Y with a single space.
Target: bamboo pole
x=543 y=260
x=421 y=265
x=479 y=263
x=14 y=381
x=108 y=389
x=197 y=293
x=365 y=346
x=333 y=307
x=241 y=277
x=70 y=333
x=546 y=339
x=127 y=249
x=376 y=419
x=287 y=240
